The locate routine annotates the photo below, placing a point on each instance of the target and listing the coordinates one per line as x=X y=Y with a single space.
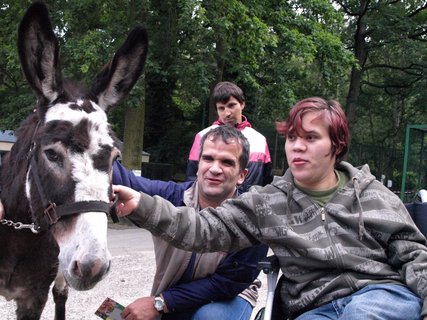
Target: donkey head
x=71 y=145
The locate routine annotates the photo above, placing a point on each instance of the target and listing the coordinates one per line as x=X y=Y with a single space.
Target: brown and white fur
x=73 y=148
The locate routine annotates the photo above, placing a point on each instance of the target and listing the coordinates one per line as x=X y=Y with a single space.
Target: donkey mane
x=12 y=178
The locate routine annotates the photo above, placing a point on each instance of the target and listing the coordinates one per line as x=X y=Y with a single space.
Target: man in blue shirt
x=209 y=285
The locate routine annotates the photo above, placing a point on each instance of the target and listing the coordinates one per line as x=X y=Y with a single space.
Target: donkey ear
x=118 y=77
x=38 y=52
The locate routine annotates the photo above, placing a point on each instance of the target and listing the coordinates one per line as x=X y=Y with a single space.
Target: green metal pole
x=420 y=175
x=405 y=163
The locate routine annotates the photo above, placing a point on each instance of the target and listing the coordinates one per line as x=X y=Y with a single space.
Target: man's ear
x=242 y=177
x=243 y=105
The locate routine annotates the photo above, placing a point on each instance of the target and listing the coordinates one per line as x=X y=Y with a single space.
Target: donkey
x=56 y=181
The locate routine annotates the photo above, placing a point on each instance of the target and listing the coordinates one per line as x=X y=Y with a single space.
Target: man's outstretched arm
x=227 y=228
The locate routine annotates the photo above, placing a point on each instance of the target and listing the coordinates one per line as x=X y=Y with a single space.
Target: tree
x=89 y=33
x=370 y=54
x=274 y=50
x=15 y=97
x=388 y=39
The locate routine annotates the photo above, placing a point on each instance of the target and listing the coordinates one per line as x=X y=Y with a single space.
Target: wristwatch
x=159 y=303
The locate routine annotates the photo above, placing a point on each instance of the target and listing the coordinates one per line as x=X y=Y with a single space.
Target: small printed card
x=110 y=310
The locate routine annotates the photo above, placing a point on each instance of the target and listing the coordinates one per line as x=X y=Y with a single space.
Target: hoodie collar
x=191 y=196
x=362 y=174
x=240 y=126
x=360 y=178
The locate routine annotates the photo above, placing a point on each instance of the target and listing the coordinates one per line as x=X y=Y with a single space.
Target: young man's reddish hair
x=333 y=114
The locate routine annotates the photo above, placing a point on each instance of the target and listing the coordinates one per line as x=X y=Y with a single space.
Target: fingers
x=125 y=313
x=117 y=188
x=125 y=193
x=127 y=200
x=120 y=209
x=1 y=211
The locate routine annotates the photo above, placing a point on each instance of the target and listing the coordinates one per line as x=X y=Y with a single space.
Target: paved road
x=128 y=240
x=130 y=277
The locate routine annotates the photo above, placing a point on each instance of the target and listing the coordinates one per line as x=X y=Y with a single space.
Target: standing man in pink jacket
x=230 y=102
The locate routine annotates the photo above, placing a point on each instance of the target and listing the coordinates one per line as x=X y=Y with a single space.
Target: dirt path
x=130 y=277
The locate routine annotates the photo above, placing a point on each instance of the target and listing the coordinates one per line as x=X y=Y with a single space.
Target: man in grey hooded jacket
x=346 y=245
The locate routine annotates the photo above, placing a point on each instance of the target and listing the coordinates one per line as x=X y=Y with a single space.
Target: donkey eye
x=52 y=156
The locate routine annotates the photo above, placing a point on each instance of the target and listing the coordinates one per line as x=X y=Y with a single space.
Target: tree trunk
x=133 y=137
x=220 y=63
x=361 y=53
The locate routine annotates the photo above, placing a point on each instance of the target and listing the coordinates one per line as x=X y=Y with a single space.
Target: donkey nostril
x=99 y=268
x=77 y=269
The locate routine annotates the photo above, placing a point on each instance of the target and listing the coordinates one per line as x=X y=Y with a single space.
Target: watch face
x=159 y=304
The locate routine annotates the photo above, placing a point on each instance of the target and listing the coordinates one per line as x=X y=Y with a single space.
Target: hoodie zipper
x=333 y=245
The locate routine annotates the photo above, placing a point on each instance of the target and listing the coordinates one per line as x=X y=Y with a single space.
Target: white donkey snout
x=87 y=270
x=90 y=267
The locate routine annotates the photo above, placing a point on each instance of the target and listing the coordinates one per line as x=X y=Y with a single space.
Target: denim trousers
x=373 y=302
x=233 y=309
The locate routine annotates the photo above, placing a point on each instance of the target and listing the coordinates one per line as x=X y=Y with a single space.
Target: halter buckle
x=50 y=212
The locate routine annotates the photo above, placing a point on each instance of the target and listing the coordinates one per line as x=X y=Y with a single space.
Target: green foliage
x=392 y=77
x=278 y=51
x=15 y=96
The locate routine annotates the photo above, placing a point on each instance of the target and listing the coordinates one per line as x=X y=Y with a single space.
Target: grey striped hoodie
x=363 y=235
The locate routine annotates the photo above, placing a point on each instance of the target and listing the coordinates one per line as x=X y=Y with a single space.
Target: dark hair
x=229 y=135
x=224 y=90
x=335 y=118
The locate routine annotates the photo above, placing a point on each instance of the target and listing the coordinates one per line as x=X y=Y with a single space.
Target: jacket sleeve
x=260 y=168
x=233 y=275
x=268 y=173
x=229 y=227
x=192 y=166
x=169 y=190
x=193 y=159
x=268 y=167
x=259 y=173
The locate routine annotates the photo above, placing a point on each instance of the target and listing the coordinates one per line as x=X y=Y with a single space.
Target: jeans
x=233 y=309
x=378 y=301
